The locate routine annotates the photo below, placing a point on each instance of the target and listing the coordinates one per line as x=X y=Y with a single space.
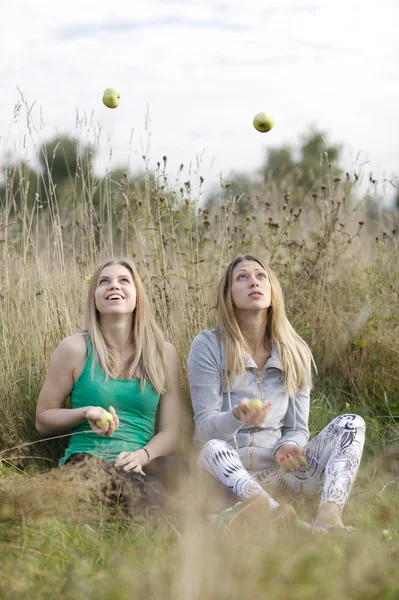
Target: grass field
x=339 y=269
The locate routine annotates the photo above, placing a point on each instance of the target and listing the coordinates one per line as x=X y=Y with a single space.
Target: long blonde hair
x=146 y=338
x=295 y=355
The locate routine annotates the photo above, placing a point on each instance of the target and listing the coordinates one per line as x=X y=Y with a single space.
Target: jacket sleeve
x=204 y=369
x=295 y=429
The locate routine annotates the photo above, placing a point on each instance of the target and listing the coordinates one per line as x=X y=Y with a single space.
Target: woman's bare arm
x=65 y=362
x=167 y=439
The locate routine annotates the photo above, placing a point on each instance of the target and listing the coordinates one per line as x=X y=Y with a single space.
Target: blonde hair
x=146 y=338
x=295 y=355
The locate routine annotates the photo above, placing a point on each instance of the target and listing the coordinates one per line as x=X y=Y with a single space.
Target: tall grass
x=339 y=270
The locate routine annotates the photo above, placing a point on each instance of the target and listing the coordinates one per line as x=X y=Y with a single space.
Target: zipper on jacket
x=251 y=436
x=258 y=382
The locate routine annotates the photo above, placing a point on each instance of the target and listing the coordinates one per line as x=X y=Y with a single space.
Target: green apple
x=256 y=403
x=106 y=418
x=111 y=97
x=263 y=122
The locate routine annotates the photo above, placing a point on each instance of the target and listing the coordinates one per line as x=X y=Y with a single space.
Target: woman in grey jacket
x=256 y=354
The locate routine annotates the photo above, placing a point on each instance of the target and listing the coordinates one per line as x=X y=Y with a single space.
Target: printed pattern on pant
x=223 y=462
x=333 y=458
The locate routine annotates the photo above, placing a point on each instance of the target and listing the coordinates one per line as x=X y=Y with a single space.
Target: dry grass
x=58 y=539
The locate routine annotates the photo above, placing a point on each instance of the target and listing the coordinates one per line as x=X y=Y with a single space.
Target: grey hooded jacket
x=287 y=420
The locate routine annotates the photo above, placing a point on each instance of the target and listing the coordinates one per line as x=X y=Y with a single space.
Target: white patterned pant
x=333 y=459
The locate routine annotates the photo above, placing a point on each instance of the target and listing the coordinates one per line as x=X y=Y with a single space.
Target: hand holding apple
x=106 y=417
x=252 y=412
x=102 y=422
x=255 y=403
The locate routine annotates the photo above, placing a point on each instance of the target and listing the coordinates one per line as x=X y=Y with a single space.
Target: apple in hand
x=255 y=403
x=263 y=122
x=111 y=98
x=106 y=418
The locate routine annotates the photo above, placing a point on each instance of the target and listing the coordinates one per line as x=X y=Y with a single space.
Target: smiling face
x=250 y=286
x=115 y=292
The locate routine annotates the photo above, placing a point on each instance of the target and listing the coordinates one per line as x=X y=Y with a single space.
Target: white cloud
x=204 y=69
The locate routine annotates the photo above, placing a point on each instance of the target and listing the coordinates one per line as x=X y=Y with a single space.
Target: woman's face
x=115 y=292
x=250 y=286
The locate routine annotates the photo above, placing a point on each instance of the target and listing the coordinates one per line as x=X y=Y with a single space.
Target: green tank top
x=136 y=409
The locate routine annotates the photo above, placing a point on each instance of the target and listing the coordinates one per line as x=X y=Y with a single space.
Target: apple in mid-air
x=111 y=98
x=256 y=403
x=263 y=122
x=105 y=418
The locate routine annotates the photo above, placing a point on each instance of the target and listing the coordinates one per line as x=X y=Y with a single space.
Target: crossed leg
x=333 y=458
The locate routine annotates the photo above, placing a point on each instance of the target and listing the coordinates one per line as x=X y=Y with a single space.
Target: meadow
x=338 y=263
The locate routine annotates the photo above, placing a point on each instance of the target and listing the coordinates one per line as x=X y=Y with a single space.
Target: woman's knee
x=213 y=446
x=211 y=450
x=351 y=421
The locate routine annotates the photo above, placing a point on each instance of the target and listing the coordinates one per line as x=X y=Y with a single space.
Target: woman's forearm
x=162 y=444
x=54 y=420
x=216 y=424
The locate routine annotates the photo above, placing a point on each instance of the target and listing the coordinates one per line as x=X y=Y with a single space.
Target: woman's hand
x=250 y=415
x=290 y=457
x=96 y=413
x=132 y=461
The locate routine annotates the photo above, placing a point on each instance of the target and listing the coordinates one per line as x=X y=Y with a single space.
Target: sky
x=193 y=74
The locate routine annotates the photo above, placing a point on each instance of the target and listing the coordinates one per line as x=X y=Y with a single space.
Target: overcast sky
x=203 y=69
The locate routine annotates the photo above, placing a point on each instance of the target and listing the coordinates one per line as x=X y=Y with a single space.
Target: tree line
x=65 y=162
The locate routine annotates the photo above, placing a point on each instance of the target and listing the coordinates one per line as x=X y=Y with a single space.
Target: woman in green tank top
x=117 y=373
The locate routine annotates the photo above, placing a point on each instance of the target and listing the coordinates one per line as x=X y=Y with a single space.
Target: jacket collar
x=272 y=363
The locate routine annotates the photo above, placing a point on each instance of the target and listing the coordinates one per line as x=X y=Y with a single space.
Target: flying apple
x=111 y=98
x=106 y=418
x=263 y=122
